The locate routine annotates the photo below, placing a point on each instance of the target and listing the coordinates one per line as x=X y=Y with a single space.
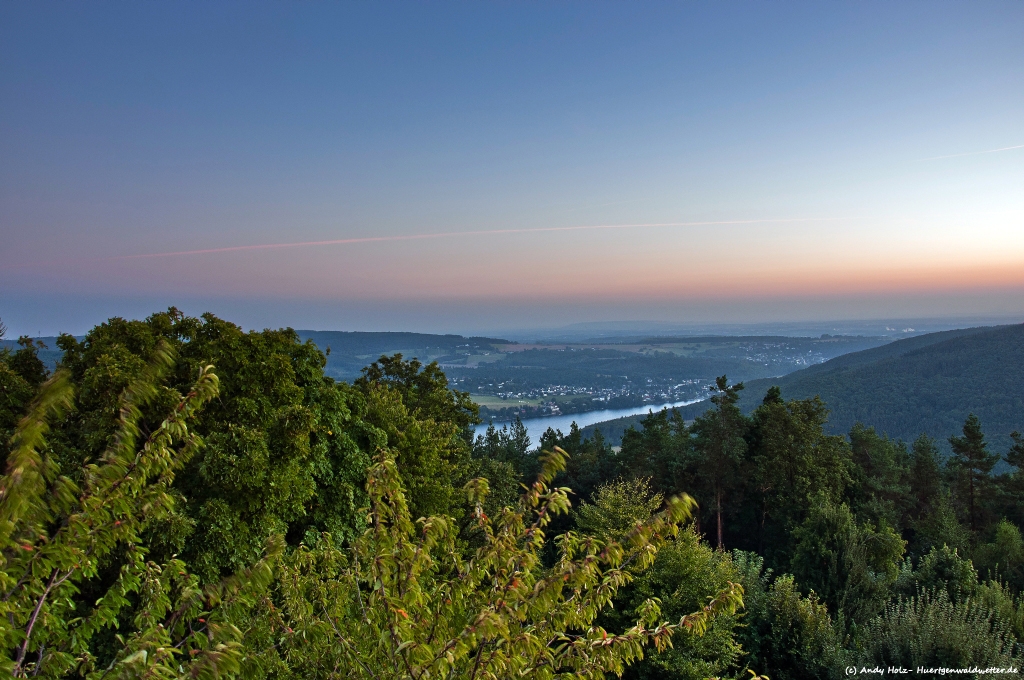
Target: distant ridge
x=928 y=383
x=352 y=350
x=365 y=341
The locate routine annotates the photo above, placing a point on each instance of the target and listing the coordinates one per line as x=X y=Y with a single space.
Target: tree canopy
x=183 y=498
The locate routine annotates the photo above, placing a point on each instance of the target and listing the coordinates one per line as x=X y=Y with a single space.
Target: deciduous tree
x=58 y=535
x=407 y=603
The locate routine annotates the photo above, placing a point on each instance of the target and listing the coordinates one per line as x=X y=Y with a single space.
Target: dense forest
x=185 y=499
x=922 y=384
x=928 y=383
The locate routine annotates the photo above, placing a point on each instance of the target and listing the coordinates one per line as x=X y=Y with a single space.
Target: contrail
x=970 y=153
x=451 y=234
x=414 y=237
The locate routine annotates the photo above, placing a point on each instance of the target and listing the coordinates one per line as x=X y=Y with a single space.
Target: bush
x=930 y=630
x=852 y=567
x=942 y=568
x=784 y=635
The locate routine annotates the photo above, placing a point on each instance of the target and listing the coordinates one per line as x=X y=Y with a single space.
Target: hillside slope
x=925 y=384
x=928 y=383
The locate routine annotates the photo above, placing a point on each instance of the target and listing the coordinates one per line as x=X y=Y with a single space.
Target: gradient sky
x=784 y=161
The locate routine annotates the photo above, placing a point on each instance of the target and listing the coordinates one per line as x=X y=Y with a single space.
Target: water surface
x=535 y=427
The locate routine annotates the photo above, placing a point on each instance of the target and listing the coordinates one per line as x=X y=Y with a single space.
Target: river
x=535 y=427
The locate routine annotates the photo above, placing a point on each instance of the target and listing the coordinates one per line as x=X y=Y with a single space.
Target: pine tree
x=1015 y=456
x=720 y=445
x=972 y=466
x=925 y=476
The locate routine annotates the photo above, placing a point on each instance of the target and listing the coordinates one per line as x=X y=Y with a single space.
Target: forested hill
x=929 y=383
x=352 y=350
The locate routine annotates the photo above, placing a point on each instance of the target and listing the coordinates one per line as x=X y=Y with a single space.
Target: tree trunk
x=764 y=516
x=970 y=478
x=718 y=510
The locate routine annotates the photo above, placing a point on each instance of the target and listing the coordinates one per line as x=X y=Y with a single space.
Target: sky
x=479 y=167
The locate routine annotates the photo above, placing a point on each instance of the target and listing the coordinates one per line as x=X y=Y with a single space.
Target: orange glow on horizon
x=765 y=285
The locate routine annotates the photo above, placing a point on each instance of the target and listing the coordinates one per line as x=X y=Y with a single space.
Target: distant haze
x=486 y=167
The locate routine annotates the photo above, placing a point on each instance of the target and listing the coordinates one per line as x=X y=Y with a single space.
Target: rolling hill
x=929 y=383
x=352 y=350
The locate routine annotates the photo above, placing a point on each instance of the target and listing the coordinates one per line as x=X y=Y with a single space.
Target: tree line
x=184 y=498
x=854 y=549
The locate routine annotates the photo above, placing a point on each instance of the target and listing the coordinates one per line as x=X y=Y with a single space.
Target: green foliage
x=1008 y=606
x=618 y=507
x=1015 y=456
x=971 y=467
x=427 y=424
x=925 y=476
x=1003 y=556
x=407 y=603
x=26 y=363
x=940 y=527
x=784 y=635
x=931 y=630
x=150 y=529
x=424 y=390
x=662 y=449
x=881 y=470
x=685 y=575
x=927 y=383
x=851 y=566
x=500 y=456
x=58 y=536
x=941 y=569
x=930 y=519
x=510 y=444
x=284 y=446
x=591 y=461
x=792 y=460
x=1008 y=502
x=404 y=601
x=21 y=373
x=720 y=447
x=431 y=453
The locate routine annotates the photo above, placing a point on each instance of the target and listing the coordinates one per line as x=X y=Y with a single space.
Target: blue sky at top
x=130 y=129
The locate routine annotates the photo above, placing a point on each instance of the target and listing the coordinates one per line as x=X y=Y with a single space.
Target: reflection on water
x=537 y=426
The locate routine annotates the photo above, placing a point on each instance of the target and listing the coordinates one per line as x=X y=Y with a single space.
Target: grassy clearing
x=477 y=359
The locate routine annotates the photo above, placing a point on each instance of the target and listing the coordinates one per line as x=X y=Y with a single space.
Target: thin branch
x=32 y=622
x=344 y=641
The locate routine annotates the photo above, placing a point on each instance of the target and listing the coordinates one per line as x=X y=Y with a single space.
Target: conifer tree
x=1015 y=456
x=925 y=476
x=720 y=445
x=972 y=465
